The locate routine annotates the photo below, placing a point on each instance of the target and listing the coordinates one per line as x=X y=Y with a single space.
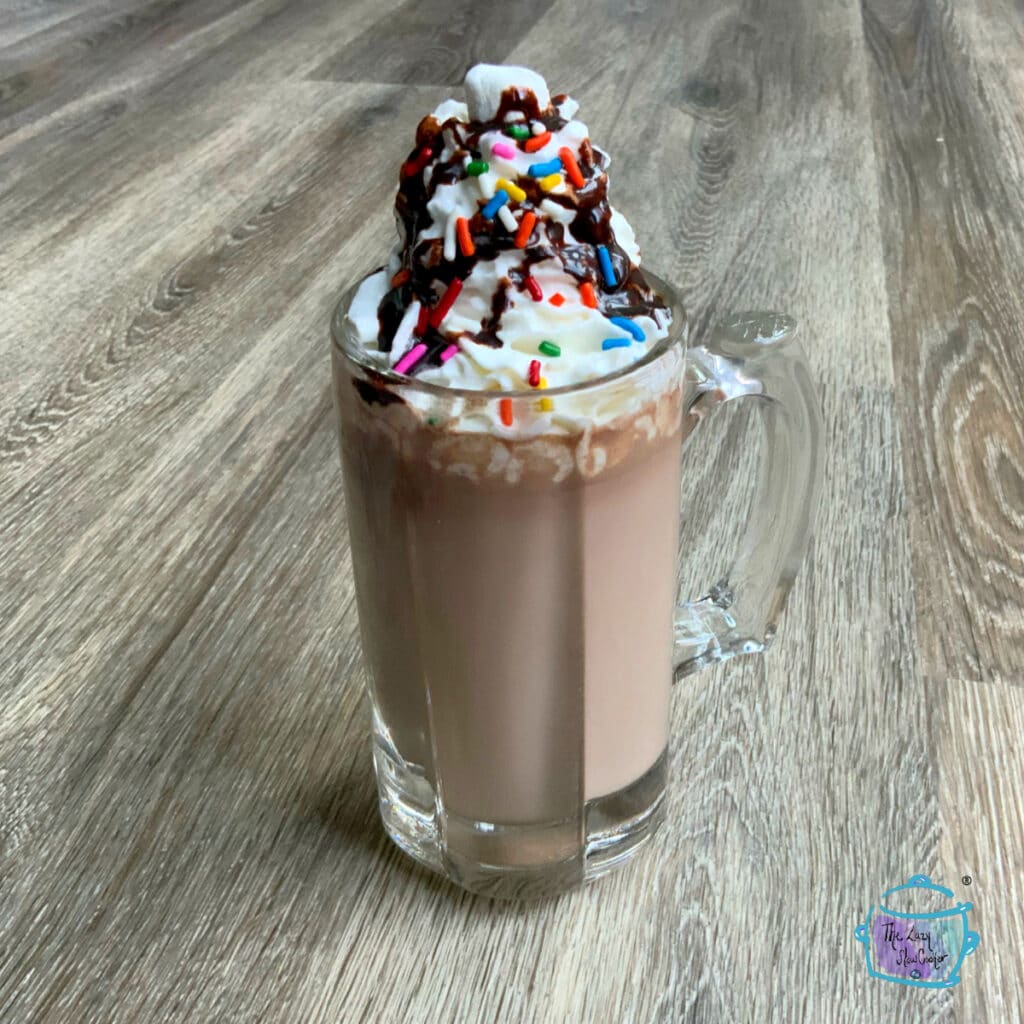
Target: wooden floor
x=187 y=815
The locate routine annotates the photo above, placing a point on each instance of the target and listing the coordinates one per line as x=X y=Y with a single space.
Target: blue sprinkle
x=495 y=204
x=607 y=270
x=542 y=170
x=628 y=325
x=615 y=343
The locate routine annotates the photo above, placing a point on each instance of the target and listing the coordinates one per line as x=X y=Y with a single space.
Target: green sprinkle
x=432 y=421
x=517 y=131
x=477 y=167
x=549 y=348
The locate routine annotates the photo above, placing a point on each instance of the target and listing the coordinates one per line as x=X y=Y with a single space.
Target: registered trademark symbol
x=966 y=879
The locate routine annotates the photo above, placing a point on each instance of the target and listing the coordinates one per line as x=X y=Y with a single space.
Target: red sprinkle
x=533 y=288
x=466 y=246
x=533 y=376
x=417 y=163
x=557 y=299
x=440 y=311
x=587 y=295
x=525 y=227
x=535 y=142
x=505 y=409
x=400 y=278
x=572 y=169
x=422 y=320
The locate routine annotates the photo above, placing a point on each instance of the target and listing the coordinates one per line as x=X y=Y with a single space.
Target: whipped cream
x=509 y=252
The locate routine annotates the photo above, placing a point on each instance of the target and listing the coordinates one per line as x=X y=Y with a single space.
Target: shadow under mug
x=516 y=585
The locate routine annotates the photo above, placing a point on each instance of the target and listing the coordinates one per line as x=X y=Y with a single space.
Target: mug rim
x=343 y=341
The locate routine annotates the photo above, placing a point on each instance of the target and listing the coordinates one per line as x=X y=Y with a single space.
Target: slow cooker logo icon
x=925 y=950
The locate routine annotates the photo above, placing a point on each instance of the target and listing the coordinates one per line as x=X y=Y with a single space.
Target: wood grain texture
x=949 y=137
x=187 y=810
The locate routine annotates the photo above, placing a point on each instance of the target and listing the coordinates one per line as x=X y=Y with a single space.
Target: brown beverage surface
x=517 y=623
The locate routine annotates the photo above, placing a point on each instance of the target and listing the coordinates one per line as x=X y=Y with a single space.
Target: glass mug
x=517 y=592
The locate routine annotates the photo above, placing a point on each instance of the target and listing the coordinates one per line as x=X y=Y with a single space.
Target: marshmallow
x=486 y=82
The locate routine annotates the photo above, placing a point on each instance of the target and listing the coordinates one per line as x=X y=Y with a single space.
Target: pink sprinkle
x=503 y=149
x=451 y=350
x=411 y=357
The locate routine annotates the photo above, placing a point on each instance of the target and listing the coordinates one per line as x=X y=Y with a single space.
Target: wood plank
x=111 y=534
x=954 y=244
x=432 y=42
x=981 y=765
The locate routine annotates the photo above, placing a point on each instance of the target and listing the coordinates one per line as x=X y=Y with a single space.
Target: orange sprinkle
x=572 y=169
x=535 y=142
x=466 y=246
x=557 y=299
x=587 y=295
x=400 y=278
x=505 y=409
x=525 y=227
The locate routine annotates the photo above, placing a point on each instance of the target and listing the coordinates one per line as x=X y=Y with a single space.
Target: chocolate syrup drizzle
x=591 y=226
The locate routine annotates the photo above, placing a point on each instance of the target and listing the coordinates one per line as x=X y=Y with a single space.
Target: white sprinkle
x=557 y=211
x=486 y=183
x=507 y=218
x=449 y=238
x=403 y=335
x=538 y=128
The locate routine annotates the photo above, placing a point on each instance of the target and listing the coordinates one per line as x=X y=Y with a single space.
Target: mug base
x=517 y=861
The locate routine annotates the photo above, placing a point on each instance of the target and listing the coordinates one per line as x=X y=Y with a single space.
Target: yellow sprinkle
x=546 y=405
x=514 y=191
x=550 y=182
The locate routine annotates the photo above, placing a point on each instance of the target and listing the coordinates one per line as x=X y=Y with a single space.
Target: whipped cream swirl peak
x=512 y=269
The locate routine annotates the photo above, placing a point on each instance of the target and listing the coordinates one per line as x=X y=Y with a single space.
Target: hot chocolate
x=511 y=418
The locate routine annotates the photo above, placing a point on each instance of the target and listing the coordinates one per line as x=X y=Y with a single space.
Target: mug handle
x=756 y=355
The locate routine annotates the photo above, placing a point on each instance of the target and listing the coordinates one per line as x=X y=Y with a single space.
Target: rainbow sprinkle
x=413 y=356
x=505 y=410
x=533 y=374
x=507 y=217
x=549 y=348
x=417 y=163
x=517 y=131
x=533 y=288
x=557 y=299
x=544 y=168
x=495 y=204
x=451 y=350
x=550 y=182
x=466 y=246
x=587 y=295
x=440 y=311
x=404 y=331
x=503 y=149
x=537 y=142
x=572 y=169
x=615 y=343
x=514 y=191
x=524 y=229
x=628 y=326
x=546 y=405
x=607 y=270
x=477 y=167
x=422 y=321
